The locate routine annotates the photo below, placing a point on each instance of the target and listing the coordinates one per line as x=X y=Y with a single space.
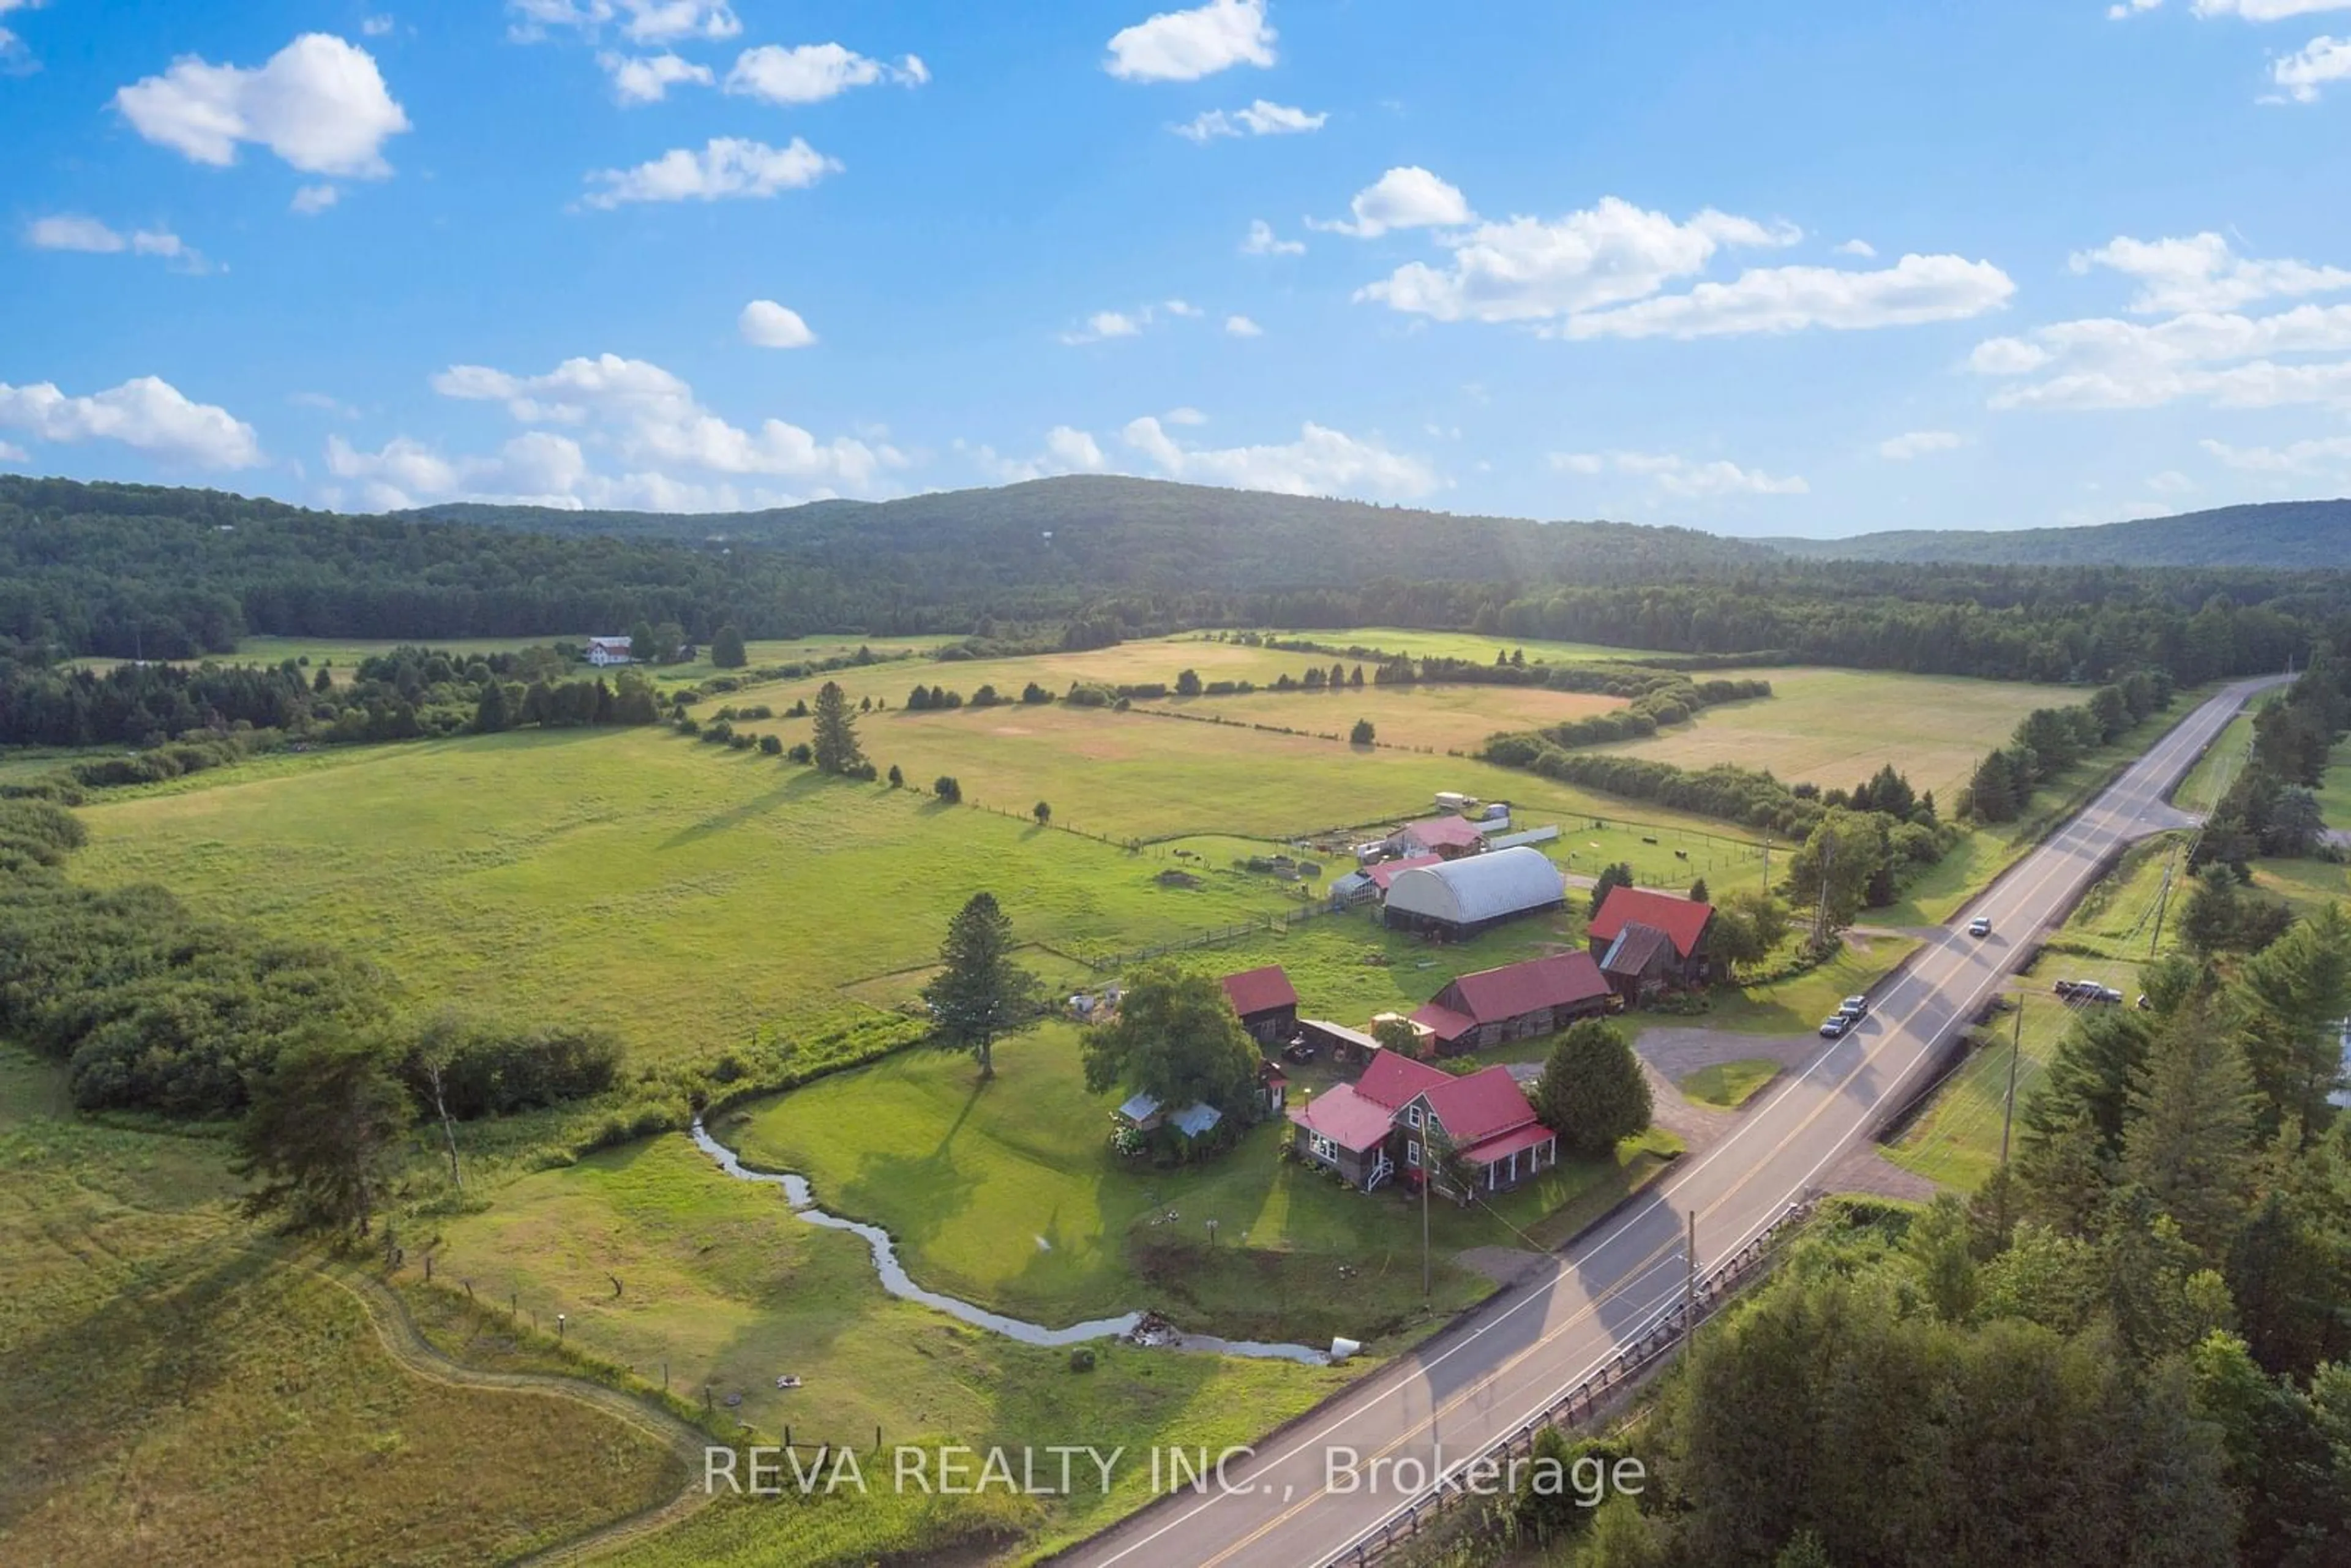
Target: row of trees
x=2049 y=740
x=2270 y=808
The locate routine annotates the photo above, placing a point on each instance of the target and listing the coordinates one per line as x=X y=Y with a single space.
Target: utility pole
x=1690 y=1284
x=2162 y=900
x=1821 y=919
x=2008 y=1113
x=1425 y=1289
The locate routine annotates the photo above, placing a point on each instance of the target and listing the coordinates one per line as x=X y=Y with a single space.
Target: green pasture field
x=175 y=1394
x=1006 y=1192
x=1836 y=727
x=2305 y=885
x=2116 y=919
x=1728 y=1085
x=1470 y=645
x=1421 y=718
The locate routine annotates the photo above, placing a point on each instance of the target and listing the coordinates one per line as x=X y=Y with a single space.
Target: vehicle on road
x=1834 y=1026
x=1854 y=1008
x=1979 y=927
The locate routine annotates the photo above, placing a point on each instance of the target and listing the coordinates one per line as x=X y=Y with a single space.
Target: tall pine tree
x=835 y=741
x=979 y=995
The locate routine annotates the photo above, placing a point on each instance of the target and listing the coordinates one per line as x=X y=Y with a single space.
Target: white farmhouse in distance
x=609 y=651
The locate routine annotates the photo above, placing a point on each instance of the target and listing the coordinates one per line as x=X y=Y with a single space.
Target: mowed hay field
x=1835 y=727
x=175 y=1394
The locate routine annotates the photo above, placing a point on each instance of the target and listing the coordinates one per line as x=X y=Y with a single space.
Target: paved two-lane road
x=1448 y=1402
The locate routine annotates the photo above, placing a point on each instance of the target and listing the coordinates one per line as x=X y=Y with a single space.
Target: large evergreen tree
x=727 y=650
x=1592 y=1093
x=834 y=743
x=2190 y=1139
x=979 y=995
x=323 y=1131
x=2291 y=1002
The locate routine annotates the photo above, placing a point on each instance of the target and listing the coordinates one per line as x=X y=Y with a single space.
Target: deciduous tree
x=1592 y=1093
x=1175 y=1039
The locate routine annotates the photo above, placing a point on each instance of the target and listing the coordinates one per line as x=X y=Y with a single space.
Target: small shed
x=1446 y=837
x=1265 y=1001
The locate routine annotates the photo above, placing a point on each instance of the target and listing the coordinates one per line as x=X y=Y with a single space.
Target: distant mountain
x=2288 y=535
x=1109 y=533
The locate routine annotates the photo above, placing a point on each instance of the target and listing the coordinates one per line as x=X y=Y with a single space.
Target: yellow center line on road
x=2054 y=853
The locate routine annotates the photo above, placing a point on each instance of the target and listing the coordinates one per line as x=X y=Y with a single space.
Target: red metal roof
x=1484 y=1105
x=1678 y=918
x=1260 y=991
x=1532 y=1136
x=1447 y=1024
x=1491 y=995
x=1385 y=872
x=1459 y=832
x=1345 y=1117
x=1393 y=1081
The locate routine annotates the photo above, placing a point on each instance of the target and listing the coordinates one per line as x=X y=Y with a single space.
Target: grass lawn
x=1729 y=1084
x=726 y=1289
x=1435 y=718
x=2116 y=919
x=2217 y=767
x=175 y=1395
x=2305 y=885
x=1836 y=727
x=1006 y=1193
x=2334 y=789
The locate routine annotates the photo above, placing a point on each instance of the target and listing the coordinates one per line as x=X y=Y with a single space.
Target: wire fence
x=1581 y=1404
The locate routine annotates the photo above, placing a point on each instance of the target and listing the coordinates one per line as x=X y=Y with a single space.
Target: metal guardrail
x=1579 y=1405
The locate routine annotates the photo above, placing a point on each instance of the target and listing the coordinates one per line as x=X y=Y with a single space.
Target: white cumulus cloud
x=647 y=78
x=311 y=200
x=1106 y=324
x=1530 y=270
x=1262 y=118
x=1680 y=477
x=1409 y=197
x=650 y=416
x=2203 y=272
x=2221 y=357
x=1068 y=450
x=1185 y=46
x=1917 y=444
x=2324 y=455
x=773 y=326
x=728 y=166
x=78 y=232
x=810 y=73
x=2323 y=61
x=319 y=103
x=1321 y=462
x=2258 y=10
x=1860 y=247
x=1916 y=289
x=1242 y=327
x=640 y=21
x=147 y=413
x=1261 y=240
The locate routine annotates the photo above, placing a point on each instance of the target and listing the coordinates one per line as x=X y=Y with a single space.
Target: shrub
x=947 y=788
x=772 y=745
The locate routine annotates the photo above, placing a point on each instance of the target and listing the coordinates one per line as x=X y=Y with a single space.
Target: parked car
x=1833 y=1026
x=2067 y=987
x=1979 y=927
x=2104 y=994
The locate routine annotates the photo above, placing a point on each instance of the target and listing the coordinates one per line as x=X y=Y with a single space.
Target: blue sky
x=1816 y=268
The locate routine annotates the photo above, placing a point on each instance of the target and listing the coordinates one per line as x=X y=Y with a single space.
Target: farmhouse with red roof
x=1517 y=1001
x=1648 y=942
x=1369 y=1129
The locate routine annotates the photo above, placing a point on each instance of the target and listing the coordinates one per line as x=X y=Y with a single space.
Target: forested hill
x=1109 y=534
x=2285 y=534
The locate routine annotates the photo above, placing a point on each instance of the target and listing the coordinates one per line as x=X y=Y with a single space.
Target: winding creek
x=895 y=1279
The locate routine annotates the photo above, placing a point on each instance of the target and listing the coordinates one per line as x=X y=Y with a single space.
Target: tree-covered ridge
x=140 y=571
x=2308 y=534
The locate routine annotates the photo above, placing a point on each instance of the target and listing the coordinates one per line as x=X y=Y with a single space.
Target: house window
x=1412 y=1115
x=1324 y=1149
x=1412 y=1152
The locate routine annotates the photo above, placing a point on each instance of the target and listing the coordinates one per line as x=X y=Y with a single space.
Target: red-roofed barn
x=1645 y=941
x=1517 y=1001
x=1265 y=1001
